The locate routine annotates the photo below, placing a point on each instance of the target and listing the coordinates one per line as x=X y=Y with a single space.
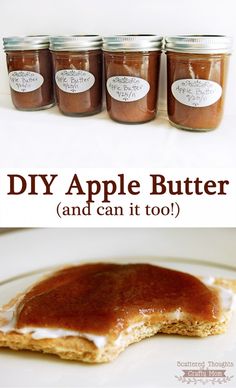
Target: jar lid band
x=31 y=42
x=75 y=43
x=199 y=44
x=133 y=43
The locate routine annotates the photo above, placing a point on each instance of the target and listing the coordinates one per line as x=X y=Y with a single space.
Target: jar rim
x=28 y=42
x=132 y=42
x=199 y=44
x=75 y=42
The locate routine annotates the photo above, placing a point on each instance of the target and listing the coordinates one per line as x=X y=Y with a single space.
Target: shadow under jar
x=29 y=65
x=196 y=80
x=77 y=62
x=132 y=66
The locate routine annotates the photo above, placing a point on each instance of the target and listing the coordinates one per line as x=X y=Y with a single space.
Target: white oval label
x=25 y=81
x=126 y=88
x=196 y=92
x=74 y=81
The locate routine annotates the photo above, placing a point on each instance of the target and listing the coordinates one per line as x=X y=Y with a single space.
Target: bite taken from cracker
x=92 y=312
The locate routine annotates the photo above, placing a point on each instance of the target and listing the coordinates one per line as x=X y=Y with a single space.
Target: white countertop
x=47 y=138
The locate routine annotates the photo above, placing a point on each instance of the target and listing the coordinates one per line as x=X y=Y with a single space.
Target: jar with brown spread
x=132 y=64
x=77 y=62
x=196 y=79
x=30 y=71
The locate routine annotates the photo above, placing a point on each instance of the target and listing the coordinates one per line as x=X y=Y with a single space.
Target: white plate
x=150 y=363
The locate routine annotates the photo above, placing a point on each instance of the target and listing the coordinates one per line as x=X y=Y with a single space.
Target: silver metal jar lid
x=199 y=44
x=75 y=43
x=31 y=42
x=133 y=43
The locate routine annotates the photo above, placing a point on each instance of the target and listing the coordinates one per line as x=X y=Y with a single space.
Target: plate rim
x=167 y=259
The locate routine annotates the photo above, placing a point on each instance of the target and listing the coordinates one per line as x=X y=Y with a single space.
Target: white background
x=39 y=210
x=49 y=139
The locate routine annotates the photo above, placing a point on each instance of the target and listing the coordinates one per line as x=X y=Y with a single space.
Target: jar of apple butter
x=196 y=79
x=30 y=71
x=132 y=64
x=78 y=66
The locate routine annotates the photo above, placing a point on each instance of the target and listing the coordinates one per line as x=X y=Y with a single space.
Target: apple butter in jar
x=132 y=64
x=196 y=80
x=30 y=71
x=78 y=66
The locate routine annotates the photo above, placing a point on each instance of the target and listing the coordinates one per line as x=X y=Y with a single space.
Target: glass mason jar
x=196 y=79
x=30 y=71
x=132 y=65
x=77 y=62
